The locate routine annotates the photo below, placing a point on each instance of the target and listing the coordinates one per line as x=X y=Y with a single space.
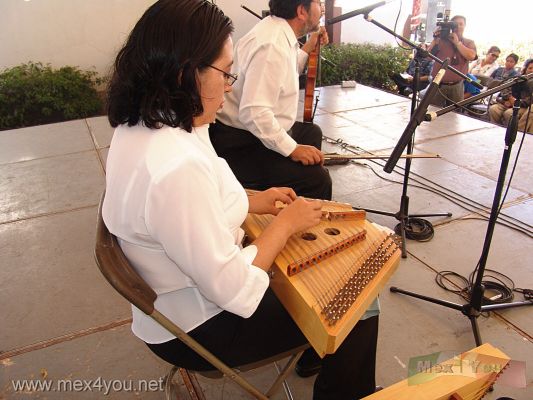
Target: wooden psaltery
x=466 y=377
x=328 y=276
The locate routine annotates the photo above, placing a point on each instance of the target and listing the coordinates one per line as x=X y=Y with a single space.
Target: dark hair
x=493 y=49
x=513 y=56
x=154 y=74
x=455 y=17
x=526 y=64
x=287 y=8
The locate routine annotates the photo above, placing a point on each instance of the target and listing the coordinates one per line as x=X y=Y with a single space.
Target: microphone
x=364 y=10
x=416 y=119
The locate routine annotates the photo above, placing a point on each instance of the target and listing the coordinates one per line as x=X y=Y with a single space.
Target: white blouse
x=486 y=70
x=176 y=209
x=264 y=100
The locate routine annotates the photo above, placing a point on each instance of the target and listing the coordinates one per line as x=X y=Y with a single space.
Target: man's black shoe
x=309 y=363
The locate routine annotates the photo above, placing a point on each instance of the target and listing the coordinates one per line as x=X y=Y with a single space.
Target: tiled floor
x=61 y=320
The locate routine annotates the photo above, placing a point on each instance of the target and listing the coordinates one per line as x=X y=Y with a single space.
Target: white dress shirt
x=177 y=210
x=264 y=99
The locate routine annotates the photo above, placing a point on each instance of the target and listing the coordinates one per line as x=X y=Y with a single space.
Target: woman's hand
x=265 y=202
x=301 y=214
x=297 y=216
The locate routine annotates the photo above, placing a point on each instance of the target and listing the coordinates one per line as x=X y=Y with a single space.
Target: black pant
x=260 y=168
x=347 y=374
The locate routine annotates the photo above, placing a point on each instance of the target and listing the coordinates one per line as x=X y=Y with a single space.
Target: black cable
x=474 y=206
x=502 y=219
x=442 y=276
x=416 y=229
x=527 y=293
x=505 y=224
x=399 y=43
x=501 y=284
x=518 y=152
x=471 y=208
x=504 y=290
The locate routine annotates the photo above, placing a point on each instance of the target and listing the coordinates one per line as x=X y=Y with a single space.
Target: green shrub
x=366 y=63
x=34 y=94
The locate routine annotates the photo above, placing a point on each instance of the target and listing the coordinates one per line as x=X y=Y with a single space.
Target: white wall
x=88 y=33
x=359 y=30
x=243 y=21
x=84 y=33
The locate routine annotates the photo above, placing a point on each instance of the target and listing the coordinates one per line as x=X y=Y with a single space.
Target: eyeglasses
x=494 y=55
x=229 y=79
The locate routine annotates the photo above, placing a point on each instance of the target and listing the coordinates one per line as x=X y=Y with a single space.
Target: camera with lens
x=446 y=26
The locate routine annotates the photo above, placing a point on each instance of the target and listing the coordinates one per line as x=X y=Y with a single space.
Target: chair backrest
x=118 y=271
x=122 y=276
x=492 y=83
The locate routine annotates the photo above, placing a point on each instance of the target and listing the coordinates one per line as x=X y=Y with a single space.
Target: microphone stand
x=475 y=307
x=406 y=227
x=403 y=214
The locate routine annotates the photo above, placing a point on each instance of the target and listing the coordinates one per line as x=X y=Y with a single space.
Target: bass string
x=374 y=261
x=321 y=282
x=324 y=283
x=354 y=267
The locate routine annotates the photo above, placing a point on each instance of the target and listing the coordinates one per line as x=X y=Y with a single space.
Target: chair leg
x=196 y=393
x=190 y=382
x=170 y=386
x=192 y=385
x=282 y=376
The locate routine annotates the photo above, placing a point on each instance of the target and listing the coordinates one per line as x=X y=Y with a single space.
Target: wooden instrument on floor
x=328 y=276
x=467 y=377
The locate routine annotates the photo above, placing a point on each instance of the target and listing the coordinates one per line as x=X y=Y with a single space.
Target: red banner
x=415 y=15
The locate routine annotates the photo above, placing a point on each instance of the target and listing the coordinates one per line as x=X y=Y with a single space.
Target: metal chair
x=122 y=276
x=480 y=109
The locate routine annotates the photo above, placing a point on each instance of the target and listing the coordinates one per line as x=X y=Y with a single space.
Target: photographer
x=448 y=42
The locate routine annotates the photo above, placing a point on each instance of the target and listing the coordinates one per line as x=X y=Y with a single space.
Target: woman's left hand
x=265 y=202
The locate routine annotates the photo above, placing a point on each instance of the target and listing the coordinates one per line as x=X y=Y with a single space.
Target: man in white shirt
x=257 y=133
x=256 y=130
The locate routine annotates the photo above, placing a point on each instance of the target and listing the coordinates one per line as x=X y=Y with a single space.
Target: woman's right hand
x=297 y=216
x=301 y=214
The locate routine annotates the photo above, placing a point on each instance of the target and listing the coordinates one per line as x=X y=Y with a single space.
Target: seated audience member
x=504 y=73
x=502 y=111
x=405 y=81
x=507 y=71
x=470 y=89
x=482 y=68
